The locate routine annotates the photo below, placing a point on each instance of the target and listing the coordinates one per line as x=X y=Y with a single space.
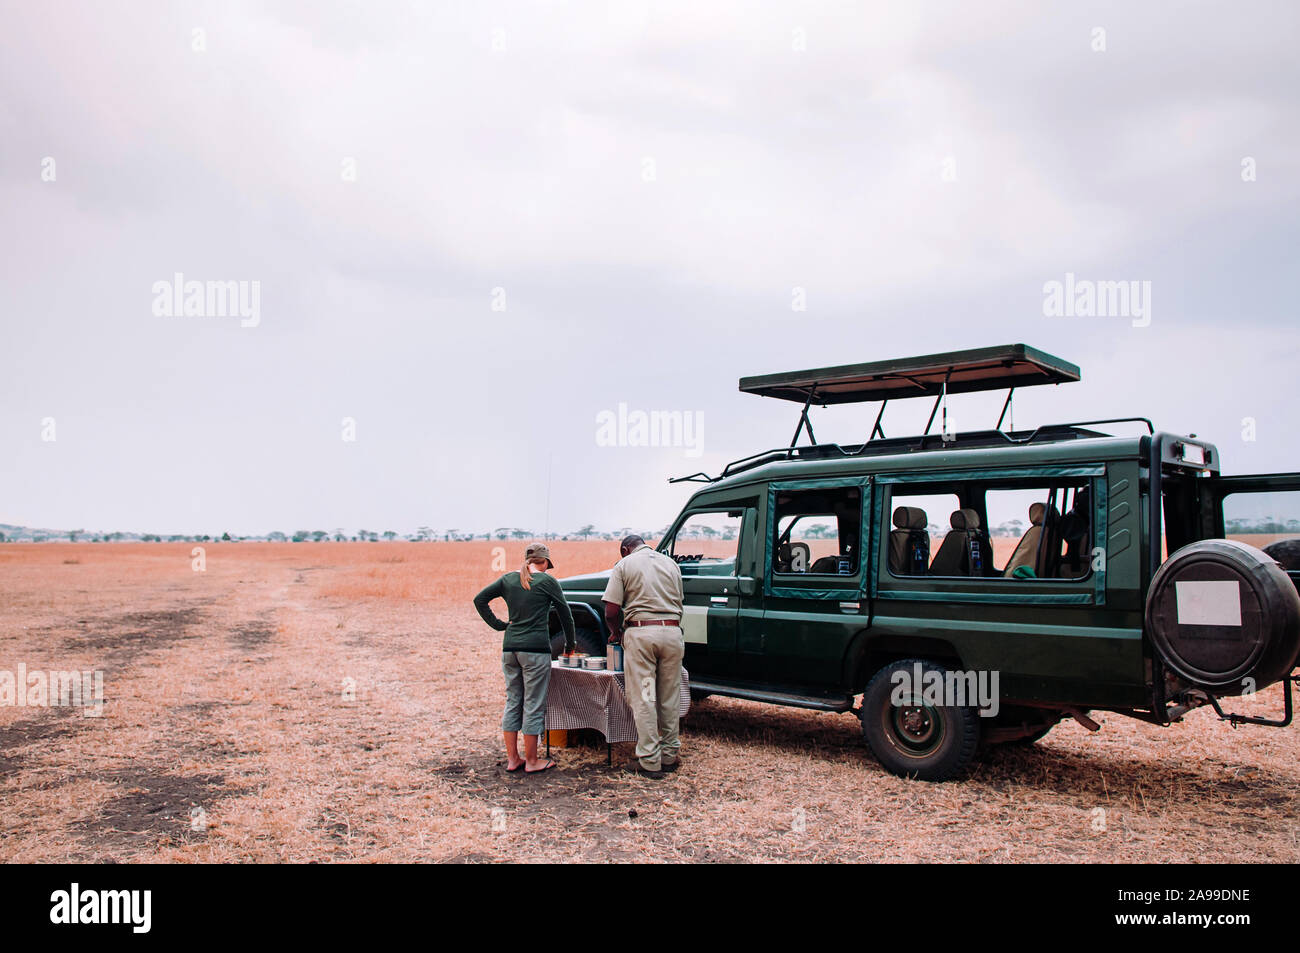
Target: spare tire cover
x=1221 y=613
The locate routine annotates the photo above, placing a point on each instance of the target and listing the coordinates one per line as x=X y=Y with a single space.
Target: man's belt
x=674 y=622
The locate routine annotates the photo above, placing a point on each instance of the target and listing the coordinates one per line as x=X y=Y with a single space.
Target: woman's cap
x=538 y=551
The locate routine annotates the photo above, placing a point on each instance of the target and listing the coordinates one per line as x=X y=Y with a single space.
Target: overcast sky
x=475 y=227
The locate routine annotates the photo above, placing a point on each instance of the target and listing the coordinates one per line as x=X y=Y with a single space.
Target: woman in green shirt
x=529 y=595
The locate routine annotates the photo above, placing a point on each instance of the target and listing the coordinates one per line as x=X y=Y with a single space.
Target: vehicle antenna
x=546 y=527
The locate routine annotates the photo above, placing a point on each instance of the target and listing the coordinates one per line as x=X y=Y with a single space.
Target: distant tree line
x=1265 y=524
x=421 y=535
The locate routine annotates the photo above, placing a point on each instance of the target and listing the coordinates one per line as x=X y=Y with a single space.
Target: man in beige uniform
x=647 y=587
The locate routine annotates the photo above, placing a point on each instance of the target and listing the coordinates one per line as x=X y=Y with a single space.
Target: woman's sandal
x=549 y=765
x=517 y=767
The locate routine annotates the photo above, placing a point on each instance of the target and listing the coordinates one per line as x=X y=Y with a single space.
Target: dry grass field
x=224 y=694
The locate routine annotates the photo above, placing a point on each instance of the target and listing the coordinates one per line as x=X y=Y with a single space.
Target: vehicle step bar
x=818 y=703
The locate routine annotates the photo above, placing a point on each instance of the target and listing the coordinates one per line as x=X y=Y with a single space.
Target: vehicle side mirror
x=747 y=585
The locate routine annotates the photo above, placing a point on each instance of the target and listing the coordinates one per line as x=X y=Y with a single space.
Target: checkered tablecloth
x=588 y=698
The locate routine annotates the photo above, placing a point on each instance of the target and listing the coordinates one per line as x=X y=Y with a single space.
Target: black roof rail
x=918 y=443
x=1088 y=423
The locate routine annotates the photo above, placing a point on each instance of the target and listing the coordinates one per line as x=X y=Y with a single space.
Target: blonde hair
x=526 y=574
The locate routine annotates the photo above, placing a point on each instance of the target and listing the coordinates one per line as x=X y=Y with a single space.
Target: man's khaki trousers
x=652 y=667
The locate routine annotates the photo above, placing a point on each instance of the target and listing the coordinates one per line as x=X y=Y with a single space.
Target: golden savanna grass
x=225 y=695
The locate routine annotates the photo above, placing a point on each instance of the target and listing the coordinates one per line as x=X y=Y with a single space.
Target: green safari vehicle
x=977 y=588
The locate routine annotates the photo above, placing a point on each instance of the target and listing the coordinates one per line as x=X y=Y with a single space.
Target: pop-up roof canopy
x=1008 y=367
x=983 y=368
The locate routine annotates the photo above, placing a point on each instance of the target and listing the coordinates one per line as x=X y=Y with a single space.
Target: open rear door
x=1262 y=510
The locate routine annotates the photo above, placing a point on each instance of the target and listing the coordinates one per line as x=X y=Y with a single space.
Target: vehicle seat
x=961 y=552
x=909 y=543
x=1028 y=551
x=785 y=558
x=827 y=564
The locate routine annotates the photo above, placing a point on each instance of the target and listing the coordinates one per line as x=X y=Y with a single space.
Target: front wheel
x=907 y=728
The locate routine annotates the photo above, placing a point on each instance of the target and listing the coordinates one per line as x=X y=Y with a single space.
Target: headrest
x=1036 y=511
x=910 y=517
x=964 y=519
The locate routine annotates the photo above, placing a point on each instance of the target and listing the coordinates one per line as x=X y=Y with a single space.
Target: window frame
x=803 y=516
x=818 y=585
x=1088 y=589
x=670 y=538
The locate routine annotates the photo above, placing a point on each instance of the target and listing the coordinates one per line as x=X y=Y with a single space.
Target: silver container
x=571 y=661
x=594 y=663
x=614 y=658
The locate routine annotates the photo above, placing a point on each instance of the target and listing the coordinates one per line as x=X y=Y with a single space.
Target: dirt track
x=225 y=693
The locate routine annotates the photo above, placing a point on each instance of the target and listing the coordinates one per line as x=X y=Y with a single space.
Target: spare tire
x=1286 y=552
x=1224 y=616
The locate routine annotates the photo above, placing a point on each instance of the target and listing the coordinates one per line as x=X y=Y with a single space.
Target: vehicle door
x=1262 y=510
x=711 y=545
x=814 y=579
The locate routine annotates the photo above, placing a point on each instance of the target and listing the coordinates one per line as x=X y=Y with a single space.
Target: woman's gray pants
x=528 y=675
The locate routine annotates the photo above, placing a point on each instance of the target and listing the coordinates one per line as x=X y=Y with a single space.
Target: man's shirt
x=647 y=584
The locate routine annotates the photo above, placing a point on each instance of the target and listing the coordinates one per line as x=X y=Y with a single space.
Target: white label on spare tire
x=1211 y=602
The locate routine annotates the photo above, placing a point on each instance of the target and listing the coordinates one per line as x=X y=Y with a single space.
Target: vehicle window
x=706 y=544
x=1264 y=519
x=916 y=530
x=986 y=530
x=1041 y=532
x=816 y=532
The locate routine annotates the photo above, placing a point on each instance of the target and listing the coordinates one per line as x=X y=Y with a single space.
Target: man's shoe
x=669 y=767
x=635 y=767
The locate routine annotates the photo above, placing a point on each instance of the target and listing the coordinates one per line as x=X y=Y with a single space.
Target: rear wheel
x=909 y=732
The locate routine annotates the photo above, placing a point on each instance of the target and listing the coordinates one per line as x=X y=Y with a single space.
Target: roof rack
x=1047 y=433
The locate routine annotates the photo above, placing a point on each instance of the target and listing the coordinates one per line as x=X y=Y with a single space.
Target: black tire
x=1241 y=644
x=587 y=641
x=926 y=742
x=1286 y=552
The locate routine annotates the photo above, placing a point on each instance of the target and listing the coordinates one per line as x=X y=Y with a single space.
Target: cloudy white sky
x=920 y=170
